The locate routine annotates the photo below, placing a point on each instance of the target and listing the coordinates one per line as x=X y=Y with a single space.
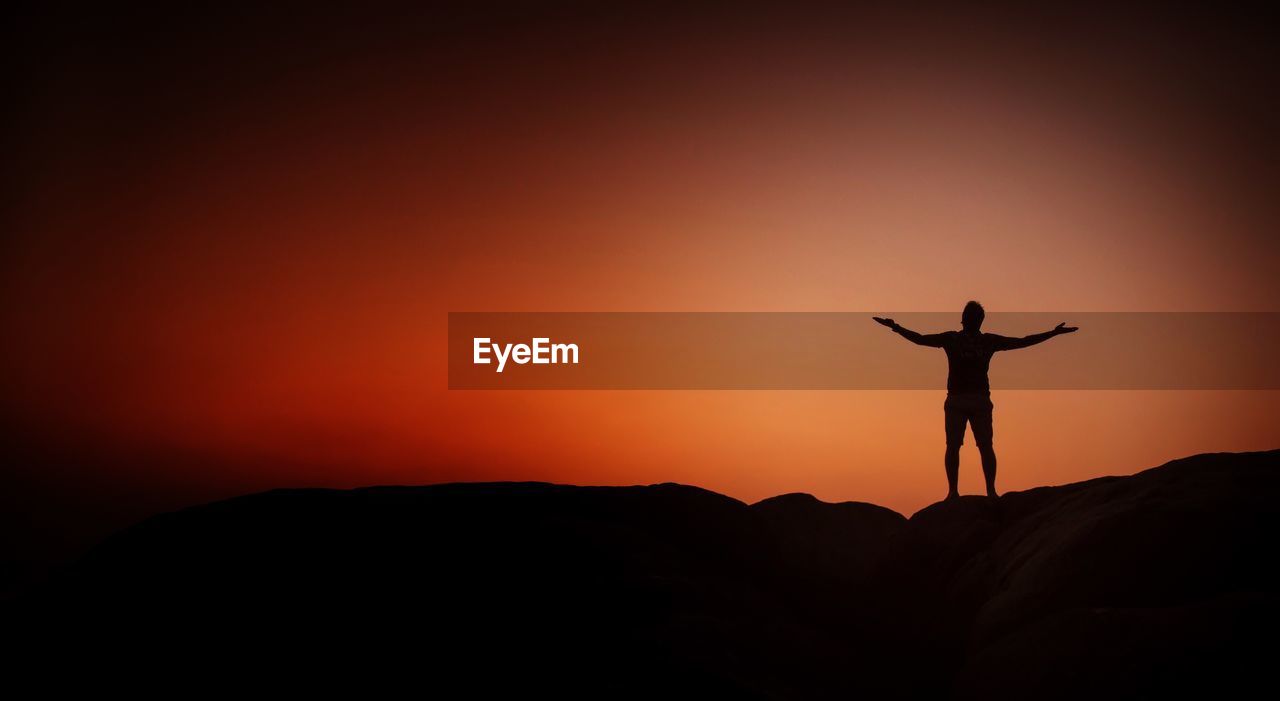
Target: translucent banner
x=849 y=350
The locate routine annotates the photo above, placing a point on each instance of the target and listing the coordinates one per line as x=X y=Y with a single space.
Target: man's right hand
x=885 y=322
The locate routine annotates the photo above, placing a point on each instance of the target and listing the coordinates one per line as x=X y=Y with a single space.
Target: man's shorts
x=972 y=408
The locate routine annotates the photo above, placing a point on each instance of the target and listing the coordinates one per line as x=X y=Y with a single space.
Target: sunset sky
x=232 y=241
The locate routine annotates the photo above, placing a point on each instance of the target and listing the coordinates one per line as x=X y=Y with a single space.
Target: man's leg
x=952 y=463
x=955 y=420
x=982 y=435
x=989 y=467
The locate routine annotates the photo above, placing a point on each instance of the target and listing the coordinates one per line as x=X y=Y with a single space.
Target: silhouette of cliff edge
x=1154 y=583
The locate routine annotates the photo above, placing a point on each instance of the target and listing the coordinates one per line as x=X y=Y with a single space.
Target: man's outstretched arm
x=933 y=340
x=1015 y=343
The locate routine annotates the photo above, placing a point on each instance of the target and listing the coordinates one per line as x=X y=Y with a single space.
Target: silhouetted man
x=969 y=354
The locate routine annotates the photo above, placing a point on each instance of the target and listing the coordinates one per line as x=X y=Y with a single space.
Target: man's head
x=971 y=318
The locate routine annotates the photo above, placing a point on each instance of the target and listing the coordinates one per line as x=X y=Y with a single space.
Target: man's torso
x=968 y=359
